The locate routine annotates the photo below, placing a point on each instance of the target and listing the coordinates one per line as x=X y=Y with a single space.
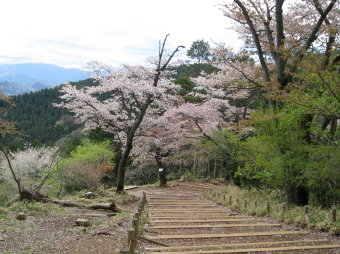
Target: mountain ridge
x=27 y=77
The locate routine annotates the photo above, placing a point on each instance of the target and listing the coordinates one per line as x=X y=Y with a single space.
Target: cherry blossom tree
x=285 y=33
x=164 y=138
x=123 y=99
x=187 y=122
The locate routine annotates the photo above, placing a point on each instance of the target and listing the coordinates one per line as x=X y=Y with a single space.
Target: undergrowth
x=254 y=202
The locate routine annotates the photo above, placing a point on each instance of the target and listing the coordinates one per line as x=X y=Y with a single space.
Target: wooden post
x=132 y=240
x=333 y=215
x=230 y=200
x=137 y=215
x=224 y=198
x=284 y=208
x=144 y=198
x=255 y=204
x=307 y=214
x=135 y=225
x=268 y=207
x=124 y=251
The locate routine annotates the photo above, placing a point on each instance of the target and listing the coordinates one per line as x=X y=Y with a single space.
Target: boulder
x=89 y=194
x=21 y=216
x=83 y=222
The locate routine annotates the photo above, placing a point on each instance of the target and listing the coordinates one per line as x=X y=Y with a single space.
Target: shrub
x=87 y=165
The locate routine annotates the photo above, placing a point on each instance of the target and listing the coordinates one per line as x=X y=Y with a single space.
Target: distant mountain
x=21 y=78
x=12 y=88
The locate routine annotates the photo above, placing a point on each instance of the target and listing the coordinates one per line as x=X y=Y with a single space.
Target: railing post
x=284 y=208
x=268 y=207
x=333 y=215
x=306 y=211
x=135 y=224
x=132 y=240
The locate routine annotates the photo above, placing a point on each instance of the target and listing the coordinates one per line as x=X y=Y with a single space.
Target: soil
x=58 y=234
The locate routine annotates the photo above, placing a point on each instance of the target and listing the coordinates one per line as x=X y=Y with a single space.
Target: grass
x=96 y=223
x=144 y=219
x=123 y=214
x=102 y=195
x=26 y=251
x=34 y=208
x=319 y=218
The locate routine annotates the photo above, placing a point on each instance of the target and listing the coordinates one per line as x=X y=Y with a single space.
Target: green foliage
x=193 y=70
x=199 y=50
x=319 y=218
x=187 y=87
x=87 y=165
x=280 y=157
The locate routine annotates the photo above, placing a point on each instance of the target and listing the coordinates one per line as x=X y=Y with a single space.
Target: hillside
x=38 y=119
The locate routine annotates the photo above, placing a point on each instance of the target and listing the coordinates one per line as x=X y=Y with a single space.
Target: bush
x=86 y=166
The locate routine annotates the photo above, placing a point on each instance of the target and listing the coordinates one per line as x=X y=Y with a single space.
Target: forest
x=263 y=118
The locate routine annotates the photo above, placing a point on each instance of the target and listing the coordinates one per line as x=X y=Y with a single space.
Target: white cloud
x=73 y=32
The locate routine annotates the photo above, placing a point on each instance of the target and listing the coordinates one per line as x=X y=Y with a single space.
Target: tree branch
x=16 y=179
x=256 y=40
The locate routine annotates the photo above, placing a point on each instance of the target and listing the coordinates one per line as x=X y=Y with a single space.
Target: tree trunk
x=16 y=179
x=281 y=61
x=306 y=122
x=194 y=166
x=122 y=168
x=161 y=170
x=180 y=167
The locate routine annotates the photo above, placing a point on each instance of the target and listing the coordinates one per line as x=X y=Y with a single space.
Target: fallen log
x=34 y=195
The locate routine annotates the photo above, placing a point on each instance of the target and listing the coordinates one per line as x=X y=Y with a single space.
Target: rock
x=83 y=222
x=21 y=216
x=89 y=194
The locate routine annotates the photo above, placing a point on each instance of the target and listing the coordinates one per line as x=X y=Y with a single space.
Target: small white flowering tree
x=122 y=100
x=30 y=168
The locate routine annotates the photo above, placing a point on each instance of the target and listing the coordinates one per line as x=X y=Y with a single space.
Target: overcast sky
x=71 y=33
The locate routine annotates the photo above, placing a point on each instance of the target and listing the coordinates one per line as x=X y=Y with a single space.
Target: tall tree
x=123 y=99
x=199 y=50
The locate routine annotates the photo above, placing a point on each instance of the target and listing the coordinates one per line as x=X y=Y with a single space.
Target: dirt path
x=182 y=221
x=56 y=233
